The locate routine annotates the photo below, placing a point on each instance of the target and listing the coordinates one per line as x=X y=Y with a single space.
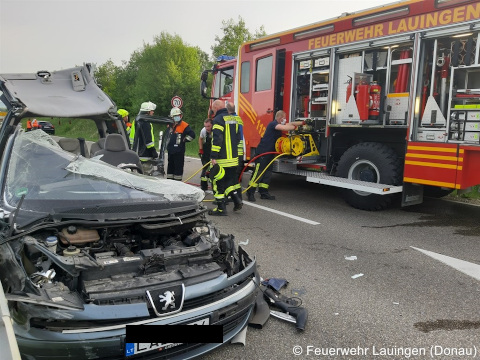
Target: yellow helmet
x=122 y=112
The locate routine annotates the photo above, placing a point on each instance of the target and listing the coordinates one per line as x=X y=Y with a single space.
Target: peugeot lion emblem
x=168 y=300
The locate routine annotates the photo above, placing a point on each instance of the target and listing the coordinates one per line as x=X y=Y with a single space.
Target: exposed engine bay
x=74 y=264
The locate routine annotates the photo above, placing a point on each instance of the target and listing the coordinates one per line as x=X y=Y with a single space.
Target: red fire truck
x=392 y=95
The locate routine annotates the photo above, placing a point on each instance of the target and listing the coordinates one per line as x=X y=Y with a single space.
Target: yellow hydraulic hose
x=258 y=177
x=208 y=163
x=196 y=172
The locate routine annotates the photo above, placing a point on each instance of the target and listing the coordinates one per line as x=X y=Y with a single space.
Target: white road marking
x=290 y=216
x=463 y=266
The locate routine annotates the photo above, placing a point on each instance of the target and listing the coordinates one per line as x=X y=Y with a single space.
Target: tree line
x=170 y=67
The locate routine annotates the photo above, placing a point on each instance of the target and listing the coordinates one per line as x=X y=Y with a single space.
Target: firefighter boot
x=220 y=210
x=237 y=201
x=251 y=194
x=265 y=195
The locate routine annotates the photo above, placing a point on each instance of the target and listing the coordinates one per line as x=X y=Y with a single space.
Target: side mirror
x=203 y=84
x=203 y=88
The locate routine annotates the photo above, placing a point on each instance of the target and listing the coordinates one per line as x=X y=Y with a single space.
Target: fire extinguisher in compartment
x=349 y=88
x=363 y=99
x=375 y=91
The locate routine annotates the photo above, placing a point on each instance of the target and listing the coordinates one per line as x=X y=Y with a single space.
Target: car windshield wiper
x=14 y=215
x=123 y=211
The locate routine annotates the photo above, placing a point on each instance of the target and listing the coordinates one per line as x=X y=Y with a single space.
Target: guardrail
x=8 y=343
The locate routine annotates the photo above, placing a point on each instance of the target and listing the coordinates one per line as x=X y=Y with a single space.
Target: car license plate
x=139 y=348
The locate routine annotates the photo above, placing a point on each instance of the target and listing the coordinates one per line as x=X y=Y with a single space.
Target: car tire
x=372 y=162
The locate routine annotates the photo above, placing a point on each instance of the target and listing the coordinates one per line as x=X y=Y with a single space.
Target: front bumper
x=108 y=342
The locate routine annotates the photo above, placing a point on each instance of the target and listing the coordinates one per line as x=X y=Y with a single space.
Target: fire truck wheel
x=372 y=162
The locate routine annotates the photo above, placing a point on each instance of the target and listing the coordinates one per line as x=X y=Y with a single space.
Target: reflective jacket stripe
x=228 y=142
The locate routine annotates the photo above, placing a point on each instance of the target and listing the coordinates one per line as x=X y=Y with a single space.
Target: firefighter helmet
x=175 y=111
x=148 y=106
x=122 y=112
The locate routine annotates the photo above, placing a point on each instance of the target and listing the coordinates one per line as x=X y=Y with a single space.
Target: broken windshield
x=39 y=169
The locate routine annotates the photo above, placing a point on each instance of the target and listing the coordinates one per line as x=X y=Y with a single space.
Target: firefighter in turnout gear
x=267 y=144
x=224 y=158
x=237 y=189
x=204 y=150
x=177 y=134
x=124 y=115
x=142 y=138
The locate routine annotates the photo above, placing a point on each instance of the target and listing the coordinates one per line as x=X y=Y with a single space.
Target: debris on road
x=275 y=283
x=244 y=242
x=357 y=276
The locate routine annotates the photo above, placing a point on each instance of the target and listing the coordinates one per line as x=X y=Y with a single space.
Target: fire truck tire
x=372 y=162
x=435 y=191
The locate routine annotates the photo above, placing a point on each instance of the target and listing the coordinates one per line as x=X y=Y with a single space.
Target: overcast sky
x=57 y=34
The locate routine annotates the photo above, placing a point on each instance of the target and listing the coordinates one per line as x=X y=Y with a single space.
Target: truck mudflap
x=412 y=194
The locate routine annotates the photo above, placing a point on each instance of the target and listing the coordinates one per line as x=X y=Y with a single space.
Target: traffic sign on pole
x=177 y=101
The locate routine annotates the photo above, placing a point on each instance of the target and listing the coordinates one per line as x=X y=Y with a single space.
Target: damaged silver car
x=88 y=248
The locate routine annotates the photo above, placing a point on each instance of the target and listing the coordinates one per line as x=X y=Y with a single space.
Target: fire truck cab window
x=264 y=74
x=223 y=83
x=245 y=77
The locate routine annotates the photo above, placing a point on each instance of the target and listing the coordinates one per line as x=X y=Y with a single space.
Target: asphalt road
x=370 y=286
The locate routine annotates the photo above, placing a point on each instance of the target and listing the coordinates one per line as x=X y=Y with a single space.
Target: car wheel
x=372 y=162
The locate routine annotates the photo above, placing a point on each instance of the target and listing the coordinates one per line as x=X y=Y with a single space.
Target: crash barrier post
x=8 y=343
